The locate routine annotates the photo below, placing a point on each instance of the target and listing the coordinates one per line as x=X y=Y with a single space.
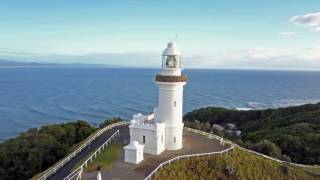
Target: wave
x=43 y=113
x=243 y=109
x=293 y=102
x=97 y=109
x=72 y=111
x=281 y=103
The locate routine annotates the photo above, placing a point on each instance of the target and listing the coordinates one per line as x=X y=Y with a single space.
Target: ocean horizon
x=35 y=96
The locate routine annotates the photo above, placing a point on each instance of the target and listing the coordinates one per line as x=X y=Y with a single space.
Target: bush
x=293 y=130
x=110 y=121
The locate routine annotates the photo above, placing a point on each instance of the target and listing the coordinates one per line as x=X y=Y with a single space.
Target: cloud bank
x=255 y=58
x=260 y=58
x=311 y=20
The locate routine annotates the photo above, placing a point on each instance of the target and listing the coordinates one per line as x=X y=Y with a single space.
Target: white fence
x=178 y=158
x=76 y=174
x=209 y=135
x=279 y=161
x=56 y=167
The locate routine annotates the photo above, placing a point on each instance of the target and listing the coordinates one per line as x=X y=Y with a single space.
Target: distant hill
x=291 y=134
x=19 y=63
x=10 y=63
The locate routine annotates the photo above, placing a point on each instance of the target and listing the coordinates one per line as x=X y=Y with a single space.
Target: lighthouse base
x=174 y=138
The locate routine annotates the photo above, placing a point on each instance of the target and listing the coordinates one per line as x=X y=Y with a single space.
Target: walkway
x=67 y=168
x=193 y=143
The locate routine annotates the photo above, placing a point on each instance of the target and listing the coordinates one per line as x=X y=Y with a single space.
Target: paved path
x=192 y=143
x=68 y=167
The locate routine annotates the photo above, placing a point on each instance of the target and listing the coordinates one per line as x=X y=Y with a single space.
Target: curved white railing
x=209 y=135
x=56 y=167
x=178 y=158
x=275 y=159
x=78 y=172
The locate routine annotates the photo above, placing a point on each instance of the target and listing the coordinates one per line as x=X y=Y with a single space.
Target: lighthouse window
x=143 y=139
x=175 y=103
x=174 y=139
x=171 y=62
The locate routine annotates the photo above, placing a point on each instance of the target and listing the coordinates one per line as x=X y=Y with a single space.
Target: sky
x=236 y=34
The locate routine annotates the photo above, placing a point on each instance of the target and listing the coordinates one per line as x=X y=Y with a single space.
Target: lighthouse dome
x=171 y=50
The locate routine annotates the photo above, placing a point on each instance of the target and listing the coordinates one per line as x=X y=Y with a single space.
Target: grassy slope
x=106 y=159
x=245 y=165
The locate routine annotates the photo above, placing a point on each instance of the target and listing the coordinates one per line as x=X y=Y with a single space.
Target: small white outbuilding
x=133 y=152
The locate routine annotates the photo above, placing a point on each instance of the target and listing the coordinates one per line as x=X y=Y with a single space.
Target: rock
x=228 y=171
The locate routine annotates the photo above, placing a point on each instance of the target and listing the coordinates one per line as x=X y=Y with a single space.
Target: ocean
x=35 y=96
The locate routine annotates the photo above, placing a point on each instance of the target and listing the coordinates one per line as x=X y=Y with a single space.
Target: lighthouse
x=163 y=129
x=170 y=103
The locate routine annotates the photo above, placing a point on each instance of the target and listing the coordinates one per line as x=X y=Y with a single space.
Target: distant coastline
x=21 y=64
x=33 y=64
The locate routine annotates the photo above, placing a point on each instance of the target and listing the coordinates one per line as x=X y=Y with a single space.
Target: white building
x=163 y=129
x=134 y=152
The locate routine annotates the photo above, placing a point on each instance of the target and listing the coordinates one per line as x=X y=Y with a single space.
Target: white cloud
x=260 y=58
x=311 y=20
x=287 y=34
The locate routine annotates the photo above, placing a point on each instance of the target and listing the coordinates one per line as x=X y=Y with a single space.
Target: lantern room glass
x=171 y=62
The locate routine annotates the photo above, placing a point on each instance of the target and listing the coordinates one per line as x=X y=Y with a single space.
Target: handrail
x=77 y=172
x=209 y=135
x=277 y=160
x=55 y=168
x=178 y=158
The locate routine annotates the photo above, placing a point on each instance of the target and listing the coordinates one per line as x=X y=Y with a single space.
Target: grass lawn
x=107 y=157
x=244 y=166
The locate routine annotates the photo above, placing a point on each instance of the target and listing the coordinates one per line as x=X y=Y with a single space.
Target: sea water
x=33 y=96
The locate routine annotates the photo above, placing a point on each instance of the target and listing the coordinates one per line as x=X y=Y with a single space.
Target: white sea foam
x=281 y=103
x=243 y=109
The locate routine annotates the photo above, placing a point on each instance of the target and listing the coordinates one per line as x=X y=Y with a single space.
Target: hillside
x=236 y=164
x=20 y=63
x=39 y=148
x=291 y=133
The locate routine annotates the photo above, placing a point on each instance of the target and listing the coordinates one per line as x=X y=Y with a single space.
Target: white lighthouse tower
x=169 y=110
x=163 y=129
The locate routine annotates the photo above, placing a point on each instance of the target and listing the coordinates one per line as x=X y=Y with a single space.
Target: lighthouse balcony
x=162 y=78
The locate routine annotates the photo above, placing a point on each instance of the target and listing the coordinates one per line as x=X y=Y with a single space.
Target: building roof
x=171 y=49
x=134 y=145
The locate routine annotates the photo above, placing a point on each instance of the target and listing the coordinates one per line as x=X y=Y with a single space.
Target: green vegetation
x=34 y=151
x=236 y=164
x=107 y=158
x=291 y=134
x=37 y=149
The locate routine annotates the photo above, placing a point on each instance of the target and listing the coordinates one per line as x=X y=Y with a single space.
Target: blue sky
x=274 y=34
